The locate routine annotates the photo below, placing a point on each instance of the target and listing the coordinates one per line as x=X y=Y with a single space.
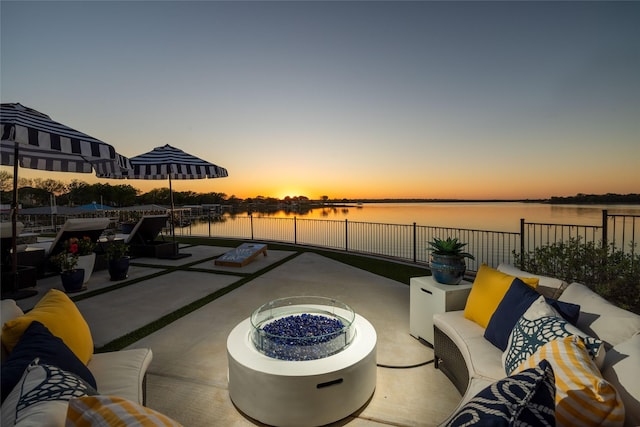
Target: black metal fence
x=409 y=242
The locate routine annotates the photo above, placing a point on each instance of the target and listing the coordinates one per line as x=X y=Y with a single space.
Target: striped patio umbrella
x=30 y=139
x=170 y=163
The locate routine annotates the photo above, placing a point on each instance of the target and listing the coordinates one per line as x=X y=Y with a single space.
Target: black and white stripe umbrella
x=32 y=140
x=170 y=163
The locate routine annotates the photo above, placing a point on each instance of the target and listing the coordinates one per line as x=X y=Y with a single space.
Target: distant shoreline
x=584 y=199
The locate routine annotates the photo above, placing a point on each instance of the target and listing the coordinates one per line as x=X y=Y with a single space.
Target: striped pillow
x=583 y=397
x=112 y=411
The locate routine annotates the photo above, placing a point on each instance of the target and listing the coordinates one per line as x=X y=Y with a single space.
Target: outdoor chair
x=27 y=274
x=75 y=227
x=142 y=239
x=5 y=239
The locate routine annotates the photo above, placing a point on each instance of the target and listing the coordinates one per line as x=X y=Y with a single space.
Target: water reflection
x=494 y=216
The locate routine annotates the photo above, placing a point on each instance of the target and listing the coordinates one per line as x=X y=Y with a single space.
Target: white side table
x=428 y=297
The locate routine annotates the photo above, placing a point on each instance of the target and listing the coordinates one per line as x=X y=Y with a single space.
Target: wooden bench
x=242 y=255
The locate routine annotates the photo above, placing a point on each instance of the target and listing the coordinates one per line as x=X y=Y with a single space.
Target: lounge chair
x=142 y=239
x=75 y=227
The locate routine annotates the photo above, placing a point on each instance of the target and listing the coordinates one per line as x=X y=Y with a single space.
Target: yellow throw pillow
x=112 y=411
x=487 y=291
x=61 y=316
x=583 y=396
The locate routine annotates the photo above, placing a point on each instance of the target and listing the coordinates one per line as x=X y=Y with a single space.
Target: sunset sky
x=345 y=99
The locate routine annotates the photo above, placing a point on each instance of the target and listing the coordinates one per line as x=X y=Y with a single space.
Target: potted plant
x=72 y=277
x=448 y=260
x=118 y=260
x=84 y=248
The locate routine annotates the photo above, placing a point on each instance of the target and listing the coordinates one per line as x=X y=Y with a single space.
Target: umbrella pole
x=16 y=293
x=173 y=225
x=14 y=221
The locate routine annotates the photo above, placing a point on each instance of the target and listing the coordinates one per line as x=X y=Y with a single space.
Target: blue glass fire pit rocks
x=302 y=328
x=303 y=337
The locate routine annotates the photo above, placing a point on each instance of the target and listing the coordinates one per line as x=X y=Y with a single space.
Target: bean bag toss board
x=242 y=255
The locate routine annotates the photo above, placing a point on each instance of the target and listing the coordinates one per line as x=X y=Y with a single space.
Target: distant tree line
x=39 y=192
x=609 y=198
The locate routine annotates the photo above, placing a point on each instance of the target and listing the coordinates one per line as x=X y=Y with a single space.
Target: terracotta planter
x=72 y=280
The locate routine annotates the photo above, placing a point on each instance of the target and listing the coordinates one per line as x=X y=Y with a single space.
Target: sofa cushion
x=550 y=287
x=515 y=302
x=583 y=396
x=487 y=291
x=41 y=397
x=537 y=326
x=121 y=373
x=526 y=398
x=621 y=370
x=113 y=411
x=600 y=318
x=61 y=316
x=38 y=342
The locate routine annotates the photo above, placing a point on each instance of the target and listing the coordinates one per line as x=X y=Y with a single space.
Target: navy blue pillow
x=515 y=302
x=38 y=342
x=526 y=398
x=570 y=312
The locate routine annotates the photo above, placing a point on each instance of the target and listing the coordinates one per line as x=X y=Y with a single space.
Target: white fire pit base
x=301 y=393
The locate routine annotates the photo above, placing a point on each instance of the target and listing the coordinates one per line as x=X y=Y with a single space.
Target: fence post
x=346 y=235
x=209 y=223
x=604 y=228
x=295 y=231
x=415 y=259
x=522 y=243
x=251 y=218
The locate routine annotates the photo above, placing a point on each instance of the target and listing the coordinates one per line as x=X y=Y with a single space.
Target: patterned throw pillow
x=526 y=398
x=37 y=341
x=537 y=326
x=41 y=397
x=583 y=396
x=113 y=411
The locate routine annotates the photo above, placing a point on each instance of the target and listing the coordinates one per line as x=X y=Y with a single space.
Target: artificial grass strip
x=156 y=325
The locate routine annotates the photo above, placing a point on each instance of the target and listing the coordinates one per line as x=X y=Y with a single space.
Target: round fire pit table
x=302 y=361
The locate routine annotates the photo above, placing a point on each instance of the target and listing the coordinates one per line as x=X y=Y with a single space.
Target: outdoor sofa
x=593 y=383
x=50 y=374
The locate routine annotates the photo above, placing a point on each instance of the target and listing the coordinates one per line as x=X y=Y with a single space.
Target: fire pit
x=302 y=361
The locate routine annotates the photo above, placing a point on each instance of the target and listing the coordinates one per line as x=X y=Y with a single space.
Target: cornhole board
x=242 y=255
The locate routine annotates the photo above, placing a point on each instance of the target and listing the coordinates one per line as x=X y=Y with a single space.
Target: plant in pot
x=118 y=260
x=72 y=277
x=448 y=260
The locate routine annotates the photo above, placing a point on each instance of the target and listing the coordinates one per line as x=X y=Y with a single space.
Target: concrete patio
x=187 y=379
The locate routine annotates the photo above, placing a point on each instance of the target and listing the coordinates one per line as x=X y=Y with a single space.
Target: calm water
x=498 y=216
x=364 y=235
